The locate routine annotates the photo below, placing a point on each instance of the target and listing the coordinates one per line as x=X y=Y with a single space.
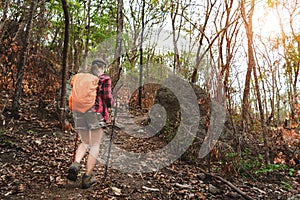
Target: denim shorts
x=87 y=121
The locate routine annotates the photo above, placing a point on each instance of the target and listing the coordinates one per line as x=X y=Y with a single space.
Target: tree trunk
x=295 y=93
x=20 y=66
x=251 y=60
x=88 y=31
x=119 y=38
x=174 y=13
x=229 y=38
x=116 y=68
x=141 y=56
x=202 y=28
x=262 y=118
x=64 y=62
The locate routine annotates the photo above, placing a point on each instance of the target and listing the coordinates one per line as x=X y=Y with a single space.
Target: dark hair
x=99 y=62
x=96 y=65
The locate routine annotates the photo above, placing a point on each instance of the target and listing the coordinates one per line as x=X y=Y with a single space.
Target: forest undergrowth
x=35 y=154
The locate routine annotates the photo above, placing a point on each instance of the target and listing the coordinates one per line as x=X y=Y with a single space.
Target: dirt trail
x=35 y=155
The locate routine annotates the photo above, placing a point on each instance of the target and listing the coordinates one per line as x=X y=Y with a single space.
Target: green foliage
x=102 y=23
x=168 y=131
x=2 y=131
x=291 y=171
x=231 y=155
x=271 y=168
x=30 y=131
x=248 y=166
x=153 y=70
x=255 y=165
x=6 y=142
x=286 y=185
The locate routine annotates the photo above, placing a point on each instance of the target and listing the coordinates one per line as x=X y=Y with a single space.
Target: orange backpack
x=84 y=90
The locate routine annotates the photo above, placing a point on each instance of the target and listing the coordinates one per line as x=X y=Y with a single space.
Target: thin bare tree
x=141 y=54
x=64 y=61
x=247 y=10
x=116 y=69
x=23 y=58
x=291 y=45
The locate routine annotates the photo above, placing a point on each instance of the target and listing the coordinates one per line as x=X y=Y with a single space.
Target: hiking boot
x=73 y=171
x=87 y=181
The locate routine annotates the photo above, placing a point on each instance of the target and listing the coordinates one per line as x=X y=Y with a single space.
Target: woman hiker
x=89 y=124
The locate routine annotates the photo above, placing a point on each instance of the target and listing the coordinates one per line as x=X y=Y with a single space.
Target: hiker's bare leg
x=82 y=148
x=94 y=150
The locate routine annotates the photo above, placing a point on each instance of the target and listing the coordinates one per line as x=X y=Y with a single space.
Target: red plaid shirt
x=104 y=98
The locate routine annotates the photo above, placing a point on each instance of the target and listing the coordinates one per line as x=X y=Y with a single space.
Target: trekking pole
x=110 y=141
